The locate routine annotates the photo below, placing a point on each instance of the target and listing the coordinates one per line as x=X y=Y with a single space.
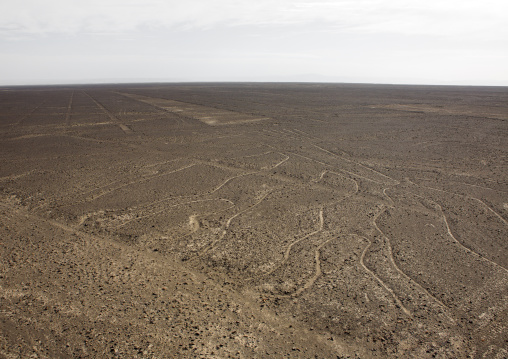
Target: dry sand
x=253 y=221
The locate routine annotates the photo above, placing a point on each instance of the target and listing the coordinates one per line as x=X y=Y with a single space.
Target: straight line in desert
x=138 y=180
x=468 y=249
x=307 y=134
x=204 y=194
x=69 y=107
x=338 y=169
x=209 y=115
x=110 y=115
x=357 y=163
x=172 y=206
x=29 y=113
x=143 y=179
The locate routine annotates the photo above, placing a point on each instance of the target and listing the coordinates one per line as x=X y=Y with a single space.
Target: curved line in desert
x=228 y=223
x=379 y=280
x=292 y=244
x=449 y=232
x=465 y=196
x=392 y=261
x=317 y=270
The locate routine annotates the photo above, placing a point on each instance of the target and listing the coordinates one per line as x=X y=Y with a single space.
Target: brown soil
x=253 y=221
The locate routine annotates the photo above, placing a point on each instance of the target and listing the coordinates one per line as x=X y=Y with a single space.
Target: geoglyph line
x=390 y=198
x=228 y=223
x=317 y=271
x=205 y=194
x=380 y=281
x=357 y=163
x=110 y=115
x=491 y=210
x=309 y=135
x=337 y=169
x=179 y=116
x=461 y=195
x=292 y=244
x=468 y=249
x=69 y=107
x=141 y=180
x=30 y=113
x=449 y=232
x=392 y=261
x=172 y=206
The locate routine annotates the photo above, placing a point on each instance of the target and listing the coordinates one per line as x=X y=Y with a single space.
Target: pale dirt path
x=23 y=118
x=69 y=109
x=226 y=227
x=411 y=280
x=380 y=281
x=108 y=299
x=393 y=181
x=468 y=250
x=209 y=115
x=123 y=224
x=123 y=185
x=449 y=232
x=465 y=196
x=338 y=169
x=292 y=244
x=317 y=270
x=113 y=118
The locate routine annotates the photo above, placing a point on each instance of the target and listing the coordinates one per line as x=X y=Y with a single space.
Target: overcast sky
x=390 y=41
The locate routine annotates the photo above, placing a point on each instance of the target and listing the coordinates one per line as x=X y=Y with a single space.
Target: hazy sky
x=390 y=41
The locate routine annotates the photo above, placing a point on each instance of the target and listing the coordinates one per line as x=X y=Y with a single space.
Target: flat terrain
x=253 y=221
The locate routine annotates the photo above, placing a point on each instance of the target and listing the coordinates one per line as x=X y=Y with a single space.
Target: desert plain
x=253 y=221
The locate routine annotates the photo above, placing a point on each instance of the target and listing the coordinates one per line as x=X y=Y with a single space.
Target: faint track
x=320 y=176
x=226 y=226
x=141 y=180
x=491 y=210
x=106 y=192
x=292 y=244
x=317 y=271
x=189 y=196
x=172 y=206
x=338 y=169
x=317 y=260
x=449 y=232
x=69 y=107
x=23 y=118
x=113 y=118
x=21 y=175
x=468 y=249
x=392 y=261
x=390 y=198
x=356 y=163
x=357 y=187
x=477 y=186
x=380 y=281
x=307 y=134
x=181 y=118
x=281 y=162
x=465 y=196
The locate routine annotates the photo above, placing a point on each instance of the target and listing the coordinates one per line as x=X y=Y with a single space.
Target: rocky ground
x=253 y=221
